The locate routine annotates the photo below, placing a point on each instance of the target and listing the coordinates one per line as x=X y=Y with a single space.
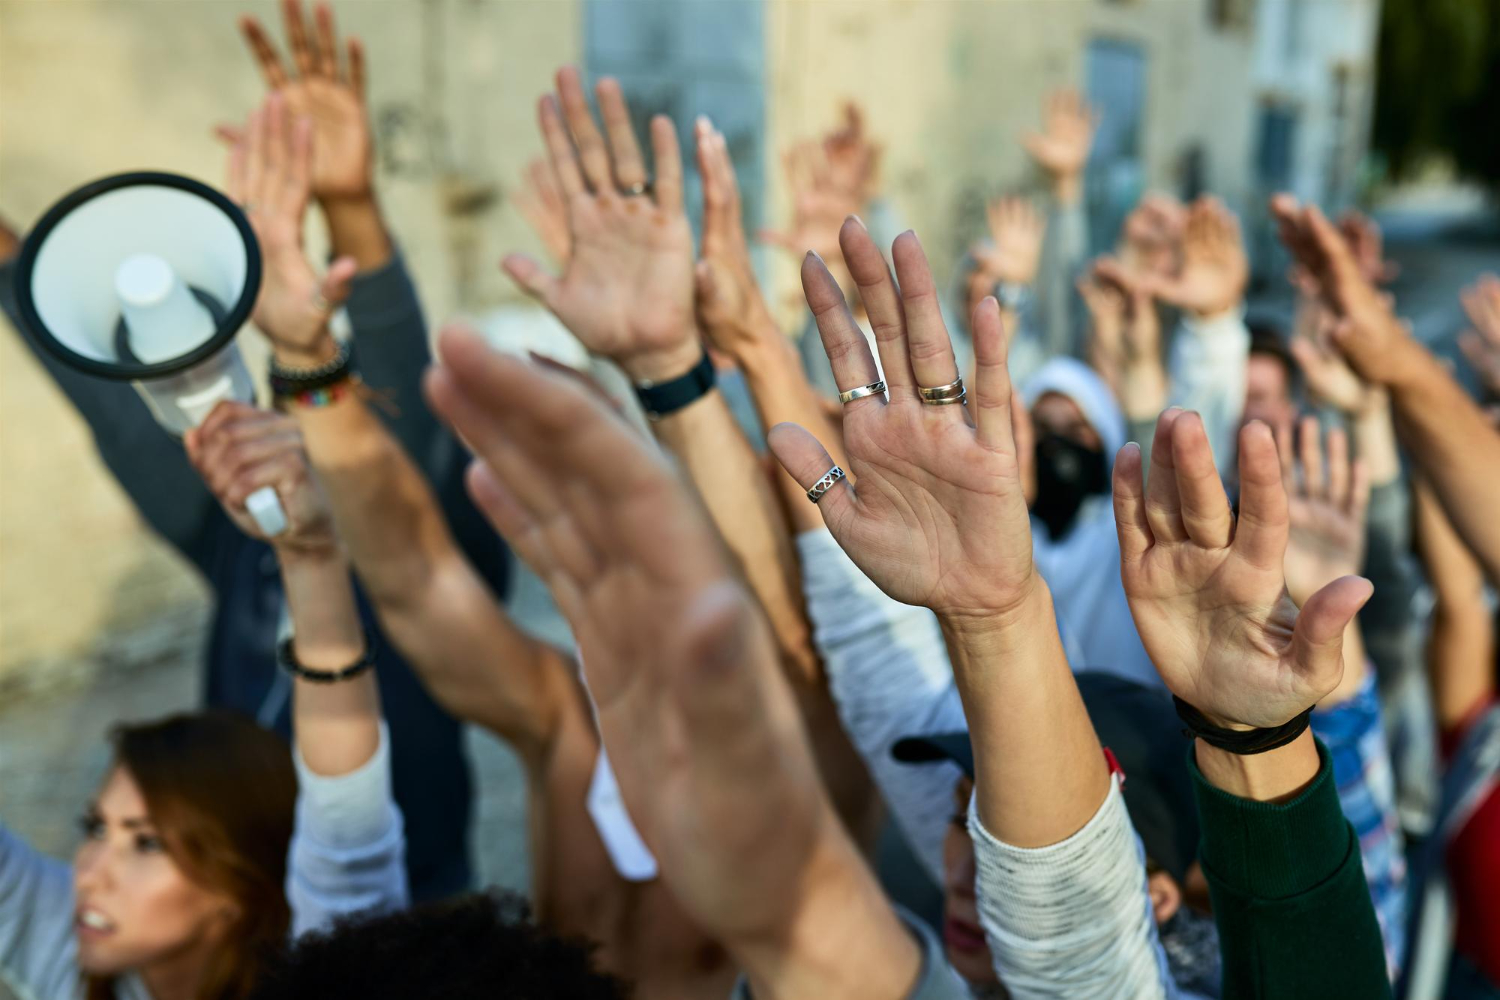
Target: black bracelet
x=659 y=399
x=286 y=659
x=295 y=381
x=1243 y=742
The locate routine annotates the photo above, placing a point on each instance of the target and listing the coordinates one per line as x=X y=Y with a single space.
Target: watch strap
x=660 y=399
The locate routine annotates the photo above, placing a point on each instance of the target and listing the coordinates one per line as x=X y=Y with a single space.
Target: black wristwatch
x=659 y=399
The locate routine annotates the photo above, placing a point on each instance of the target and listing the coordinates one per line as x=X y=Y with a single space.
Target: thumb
x=338 y=281
x=229 y=135
x=533 y=280
x=704 y=283
x=807 y=461
x=1318 y=635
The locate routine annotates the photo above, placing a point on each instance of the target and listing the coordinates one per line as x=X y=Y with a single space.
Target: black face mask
x=1067 y=473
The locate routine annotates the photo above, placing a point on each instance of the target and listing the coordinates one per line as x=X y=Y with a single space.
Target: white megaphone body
x=146 y=278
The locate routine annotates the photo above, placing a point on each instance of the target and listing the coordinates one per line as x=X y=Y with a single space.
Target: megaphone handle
x=265 y=507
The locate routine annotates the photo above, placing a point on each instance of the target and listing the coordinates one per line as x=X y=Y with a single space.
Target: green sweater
x=1294 y=912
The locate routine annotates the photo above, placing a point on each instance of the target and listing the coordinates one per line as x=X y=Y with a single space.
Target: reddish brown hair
x=221 y=791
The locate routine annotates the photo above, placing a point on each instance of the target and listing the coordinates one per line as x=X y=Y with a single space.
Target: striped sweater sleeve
x=889 y=673
x=1072 y=919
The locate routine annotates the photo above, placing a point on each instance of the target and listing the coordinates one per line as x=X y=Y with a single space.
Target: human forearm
x=356 y=229
x=1039 y=771
x=1454 y=445
x=336 y=724
x=1374 y=433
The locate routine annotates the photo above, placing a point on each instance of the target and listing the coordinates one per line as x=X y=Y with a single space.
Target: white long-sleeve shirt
x=889 y=673
x=1206 y=371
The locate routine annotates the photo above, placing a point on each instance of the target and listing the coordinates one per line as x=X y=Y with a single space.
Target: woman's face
x=134 y=906
x=963 y=937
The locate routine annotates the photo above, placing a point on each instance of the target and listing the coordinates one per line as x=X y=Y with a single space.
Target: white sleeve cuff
x=349 y=810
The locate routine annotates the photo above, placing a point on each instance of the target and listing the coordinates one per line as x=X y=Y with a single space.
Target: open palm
x=1208 y=593
x=936 y=515
x=627 y=288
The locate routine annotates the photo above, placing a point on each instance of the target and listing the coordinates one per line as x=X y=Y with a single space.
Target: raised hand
x=938 y=517
x=852 y=158
x=1062 y=147
x=1016 y=231
x=1208 y=592
x=819 y=205
x=1481 y=345
x=269 y=175
x=1142 y=378
x=701 y=730
x=1106 y=306
x=1328 y=377
x=1376 y=344
x=238 y=450
x=325 y=88
x=1325 y=509
x=626 y=290
x=1151 y=240
x=1365 y=240
x=541 y=204
x=1214 y=269
x=731 y=309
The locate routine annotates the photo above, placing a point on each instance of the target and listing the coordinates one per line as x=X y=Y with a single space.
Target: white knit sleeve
x=1072 y=919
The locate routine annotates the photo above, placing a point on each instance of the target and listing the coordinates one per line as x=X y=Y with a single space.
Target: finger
x=357 y=66
x=629 y=166
x=1261 y=531
x=508 y=516
x=255 y=156
x=713 y=194
x=534 y=281
x=1205 y=507
x=559 y=146
x=285 y=472
x=1131 y=523
x=730 y=184
x=1318 y=635
x=1474 y=351
x=229 y=134
x=667 y=158
x=275 y=147
x=327 y=62
x=264 y=52
x=1338 y=468
x=807 y=461
x=882 y=304
x=992 y=389
x=1310 y=451
x=296 y=36
x=843 y=341
x=1163 y=505
x=1286 y=445
x=338 y=282
x=299 y=158
x=592 y=152
x=232 y=460
x=931 y=353
x=235 y=186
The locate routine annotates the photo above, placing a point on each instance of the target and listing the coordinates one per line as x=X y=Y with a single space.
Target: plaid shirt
x=1355 y=736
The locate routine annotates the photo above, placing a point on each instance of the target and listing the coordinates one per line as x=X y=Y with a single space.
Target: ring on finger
x=637 y=189
x=860 y=392
x=952 y=392
x=825 y=484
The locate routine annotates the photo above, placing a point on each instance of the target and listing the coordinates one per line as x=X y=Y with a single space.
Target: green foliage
x=1438 y=86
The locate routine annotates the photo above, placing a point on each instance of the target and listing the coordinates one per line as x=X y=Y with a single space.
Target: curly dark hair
x=478 y=945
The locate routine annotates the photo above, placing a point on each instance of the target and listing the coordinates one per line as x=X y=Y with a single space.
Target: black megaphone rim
x=234 y=318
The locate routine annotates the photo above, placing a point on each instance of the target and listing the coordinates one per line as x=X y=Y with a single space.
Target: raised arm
x=348 y=852
x=1447 y=434
x=695 y=714
x=431 y=601
x=1061 y=150
x=1209 y=597
x=936 y=515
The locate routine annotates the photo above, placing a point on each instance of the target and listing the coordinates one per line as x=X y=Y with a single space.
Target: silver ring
x=825 y=484
x=861 y=392
x=943 y=393
x=637 y=189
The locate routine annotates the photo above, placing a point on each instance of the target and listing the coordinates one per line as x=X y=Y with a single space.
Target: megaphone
x=146 y=277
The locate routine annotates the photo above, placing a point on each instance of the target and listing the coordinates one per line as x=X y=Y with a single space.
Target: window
x=1116 y=85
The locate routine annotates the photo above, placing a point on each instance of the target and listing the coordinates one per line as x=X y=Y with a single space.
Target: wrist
x=1274 y=776
x=308 y=557
x=1067 y=188
x=316 y=352
x=976 y=628
x=658 y=366
x=357 y=229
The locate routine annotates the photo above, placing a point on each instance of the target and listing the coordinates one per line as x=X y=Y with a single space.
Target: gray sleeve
x=1064 y=251
x=348 y=852
x=889 y=674
x=38 y=954
x=1072 y=919
x=1392 y=629
x=1206 y=370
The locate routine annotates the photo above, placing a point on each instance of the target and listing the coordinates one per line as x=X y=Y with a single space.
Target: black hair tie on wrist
x=1240 y=741
x=286 y=658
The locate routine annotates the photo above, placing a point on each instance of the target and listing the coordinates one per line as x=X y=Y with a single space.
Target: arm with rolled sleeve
x=1072 y=919
x=1206 y=373
x=888 y=669
x=348 y=852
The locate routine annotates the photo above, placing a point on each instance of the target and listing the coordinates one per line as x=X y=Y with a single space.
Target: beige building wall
x=91 y=87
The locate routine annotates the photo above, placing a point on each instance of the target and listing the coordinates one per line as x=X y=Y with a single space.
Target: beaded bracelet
x=291 y=382
x=286 y=658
